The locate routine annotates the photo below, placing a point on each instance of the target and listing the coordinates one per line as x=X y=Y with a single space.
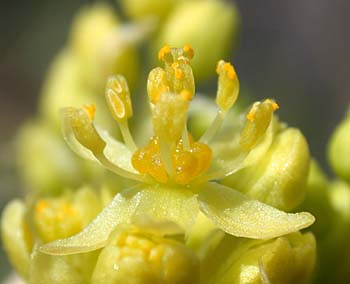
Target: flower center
x=171 y=153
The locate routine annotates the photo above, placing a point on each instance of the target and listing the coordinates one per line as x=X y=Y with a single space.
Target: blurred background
x=294 y=51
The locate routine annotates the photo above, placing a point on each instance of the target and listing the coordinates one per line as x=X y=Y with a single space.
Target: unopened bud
x=145 y=259
x=282 y=260
x=339 y=149
x=209 y=26
x=279 y=177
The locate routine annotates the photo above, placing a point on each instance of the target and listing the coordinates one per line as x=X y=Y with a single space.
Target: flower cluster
x=177 y=214
x=172 y=188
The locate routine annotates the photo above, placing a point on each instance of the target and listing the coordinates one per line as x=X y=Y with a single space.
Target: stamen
x=258 y=119
x=118 y=98
x=214 y=127
x=119 y=171
x=127 y=137
x=119 y=102
x=227 y=94
x=78 y=121
x=84 y=130
x=228 y=85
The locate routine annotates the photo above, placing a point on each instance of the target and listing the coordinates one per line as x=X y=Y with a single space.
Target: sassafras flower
x=176 y=176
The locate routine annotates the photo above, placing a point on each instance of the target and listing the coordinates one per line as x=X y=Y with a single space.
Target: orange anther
x=90 y=110
x=163 y=51
x=188 y=51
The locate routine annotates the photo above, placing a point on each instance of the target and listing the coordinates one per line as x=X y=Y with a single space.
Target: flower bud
x=68 y=269
x=16 y=238
x=137 y=9
x=333 y=245
x=54 y=166
x=64 y=87
x=100 y=48
x=138 y=258
x=209 y=26
x=317 y=200
x=340 y=198
x=24 y=228
x=289 y=259
x=279 y=177
x=63 y=216
x=339 y=149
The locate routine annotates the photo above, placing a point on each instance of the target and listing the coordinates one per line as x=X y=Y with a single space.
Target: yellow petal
x=176 y=205
x=240 y=216
x=161 y=203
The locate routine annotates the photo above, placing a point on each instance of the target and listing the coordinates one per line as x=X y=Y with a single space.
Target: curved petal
x=95 y=235
x=115 y=151
x=240 y=216
x=159 y=203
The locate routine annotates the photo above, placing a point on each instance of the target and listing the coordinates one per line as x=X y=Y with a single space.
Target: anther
x=119 y=103
x=258 y=119
x=90 y=110
x=227 y=94
x=188 y=51
x=228 y=85
x=79 y=122
x=164 y=54
x=118 y=98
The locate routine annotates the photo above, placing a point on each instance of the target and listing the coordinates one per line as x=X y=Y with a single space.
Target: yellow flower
x=176 y=176
x=27 y=224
